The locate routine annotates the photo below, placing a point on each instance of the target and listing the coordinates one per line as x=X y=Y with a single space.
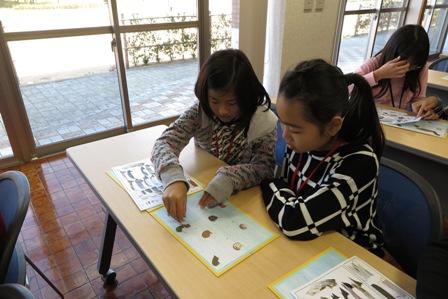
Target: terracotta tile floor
x=62 y=235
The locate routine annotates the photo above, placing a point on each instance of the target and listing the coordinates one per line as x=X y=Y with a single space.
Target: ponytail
x=361 y=120
x=323 y=89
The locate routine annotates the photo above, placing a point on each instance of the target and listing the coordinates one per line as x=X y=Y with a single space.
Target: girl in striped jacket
x=232 y=121
x=329 y=176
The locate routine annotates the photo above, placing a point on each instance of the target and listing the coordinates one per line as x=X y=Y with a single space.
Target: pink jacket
x=366 y=70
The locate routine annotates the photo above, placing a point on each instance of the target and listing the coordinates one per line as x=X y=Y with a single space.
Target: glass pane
x=387 y=24
x=360 y=4
x=426 y=18
x=441 y=2
x=224 y=24
x=5 y=146
x=69 y=86
x=445 y=46
x=53 y=14
x=354 y=41
x=132 y=12
x=393 y=3
x=162 y=68
x=149 y=47
x=436 y=29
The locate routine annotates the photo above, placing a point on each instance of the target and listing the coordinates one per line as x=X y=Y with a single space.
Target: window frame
x=14 y=114
x=377 y=11
x=430 y=7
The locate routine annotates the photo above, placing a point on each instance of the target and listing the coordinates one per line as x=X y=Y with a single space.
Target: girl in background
x=398 y=74
x=329 y=174
x=232 y=121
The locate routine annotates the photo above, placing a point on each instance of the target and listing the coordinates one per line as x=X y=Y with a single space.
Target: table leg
x=108 y=275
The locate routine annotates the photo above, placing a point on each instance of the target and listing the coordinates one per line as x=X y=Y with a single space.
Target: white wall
x=252 y=32
x=308 y=35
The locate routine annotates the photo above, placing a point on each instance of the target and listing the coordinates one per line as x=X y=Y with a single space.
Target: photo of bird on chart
x=353 y=278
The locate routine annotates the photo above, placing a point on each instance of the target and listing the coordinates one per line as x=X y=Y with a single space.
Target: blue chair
x=440 y=64
x=14 y=202
x=408 y=212
x=280 y=146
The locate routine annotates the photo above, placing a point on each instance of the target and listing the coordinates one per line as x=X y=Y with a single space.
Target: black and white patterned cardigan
x=341 y=195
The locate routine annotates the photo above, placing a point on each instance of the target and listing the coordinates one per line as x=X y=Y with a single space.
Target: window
x=84 y=70
x=68 y=90
x=366 y=27
x=435 y=23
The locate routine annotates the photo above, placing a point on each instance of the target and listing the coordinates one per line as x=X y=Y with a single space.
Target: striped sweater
x=250 y=158
x=341 y=195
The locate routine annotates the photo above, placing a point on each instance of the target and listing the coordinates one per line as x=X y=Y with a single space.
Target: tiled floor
x=62 y=235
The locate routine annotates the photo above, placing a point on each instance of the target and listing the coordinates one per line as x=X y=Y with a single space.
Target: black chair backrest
x=440 y=64
x=14 y=291
x=14 y=202
x=408 y=212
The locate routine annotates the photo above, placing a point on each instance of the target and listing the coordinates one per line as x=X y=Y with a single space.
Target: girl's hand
x=207 y=201
x=424 y=108
x=394 y=68
x=175 y=200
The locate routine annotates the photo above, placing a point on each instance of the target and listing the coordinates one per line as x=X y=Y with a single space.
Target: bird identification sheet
x=141 y=183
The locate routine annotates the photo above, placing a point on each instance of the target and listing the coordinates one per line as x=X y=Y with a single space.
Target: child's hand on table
x=175 y=200
x=207 y=201
x=424 y=108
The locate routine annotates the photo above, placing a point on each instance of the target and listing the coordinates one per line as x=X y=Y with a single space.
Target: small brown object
x=206 y=233
x=243 y=226
x=215 y=261
x=186 y=225
x=212 y=217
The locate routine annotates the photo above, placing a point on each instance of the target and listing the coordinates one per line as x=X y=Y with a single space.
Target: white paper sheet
x=140 y=181
x=353 y=278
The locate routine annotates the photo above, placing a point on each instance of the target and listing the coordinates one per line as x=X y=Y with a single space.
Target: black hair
x=411 y=43
x=323 y=89
x=230 y=70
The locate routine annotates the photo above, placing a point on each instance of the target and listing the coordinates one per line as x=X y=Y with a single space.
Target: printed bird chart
x=141 y=183
x=393 y=117
x=306 y=272
x=219 y=237
x=402 y=120
x=353 y=278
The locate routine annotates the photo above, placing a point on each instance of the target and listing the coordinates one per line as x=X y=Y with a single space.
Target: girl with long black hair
x=231 y=121
x=329 y=175
x=398 y=74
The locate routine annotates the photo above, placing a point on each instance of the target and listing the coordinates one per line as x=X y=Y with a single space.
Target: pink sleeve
x=423 y=83
x=366 y=70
